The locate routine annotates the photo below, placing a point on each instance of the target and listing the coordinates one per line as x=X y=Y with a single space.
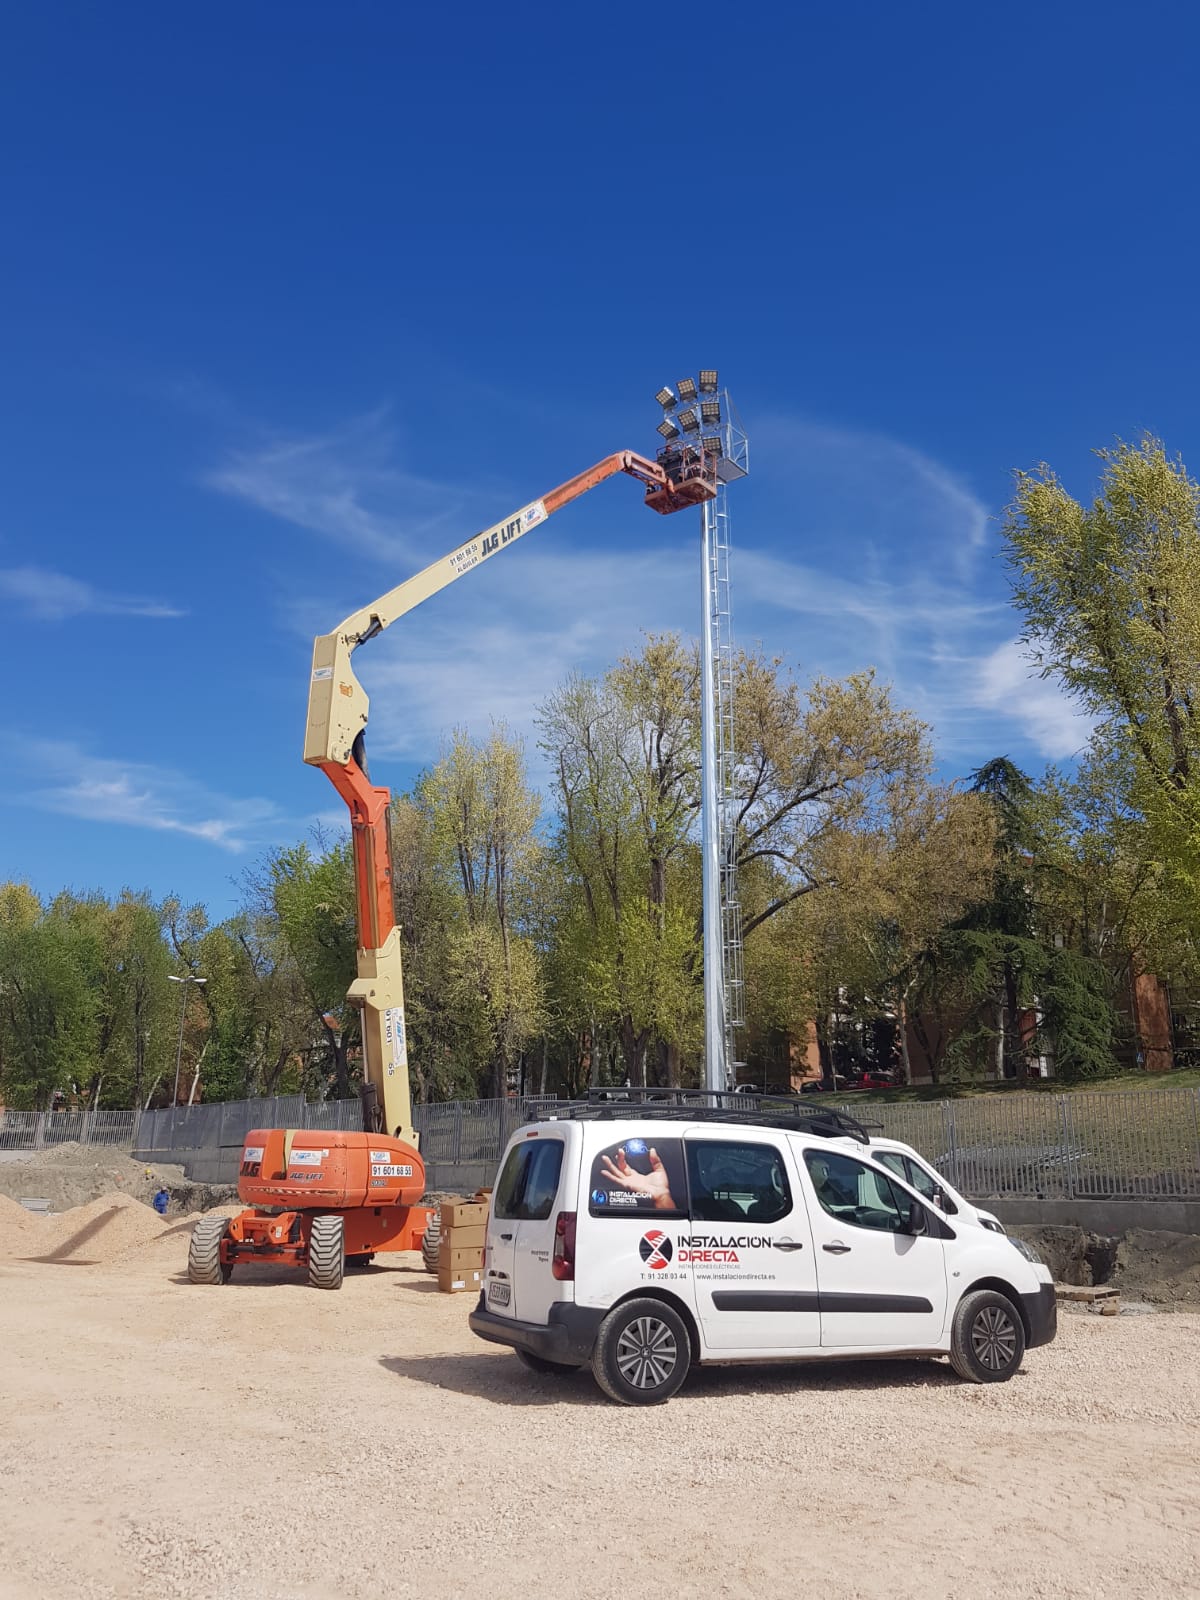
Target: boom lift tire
x=987 y=1340
x=327 y=1253
x=431 y=1243
x=204 y=1252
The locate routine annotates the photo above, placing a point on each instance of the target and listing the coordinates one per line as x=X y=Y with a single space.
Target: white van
x=915 y=1171
x=640 y=1238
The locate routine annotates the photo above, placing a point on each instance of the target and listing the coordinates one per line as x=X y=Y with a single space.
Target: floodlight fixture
x=687 y=390
x=708 y=380
x=668 y=429
x=712 y=445
x=689 y=421
x=666 y=398
x=710 y=412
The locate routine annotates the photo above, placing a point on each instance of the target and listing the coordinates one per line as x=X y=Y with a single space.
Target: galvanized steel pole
x=716 y=1068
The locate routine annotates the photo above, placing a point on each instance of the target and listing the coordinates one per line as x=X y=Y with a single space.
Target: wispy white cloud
x=48 y=596
x=77 y=783
x=344 y=484
x=511 y=633
x=1009 y=684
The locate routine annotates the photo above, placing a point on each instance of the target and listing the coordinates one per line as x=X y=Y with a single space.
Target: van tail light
x=563 y=1263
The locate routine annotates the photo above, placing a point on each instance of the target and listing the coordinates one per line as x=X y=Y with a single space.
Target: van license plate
x=499 y=1294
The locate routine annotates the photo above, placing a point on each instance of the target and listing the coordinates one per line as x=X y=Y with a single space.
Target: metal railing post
x=1064 y=1117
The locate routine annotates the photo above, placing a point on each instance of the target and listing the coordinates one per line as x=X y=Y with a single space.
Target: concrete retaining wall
x=1111 y=1217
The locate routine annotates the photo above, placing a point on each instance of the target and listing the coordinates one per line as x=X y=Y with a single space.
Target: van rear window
x=528 y=1182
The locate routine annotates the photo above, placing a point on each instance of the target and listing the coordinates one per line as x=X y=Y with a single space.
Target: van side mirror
x=945 y=1202
x=916 y=1217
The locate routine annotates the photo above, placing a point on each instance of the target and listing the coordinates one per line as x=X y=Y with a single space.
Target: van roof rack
x=706 y=1105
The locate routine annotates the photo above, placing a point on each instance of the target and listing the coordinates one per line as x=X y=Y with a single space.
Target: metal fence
x=460 y=1141
x=36 y=1130
x=1139 y=1144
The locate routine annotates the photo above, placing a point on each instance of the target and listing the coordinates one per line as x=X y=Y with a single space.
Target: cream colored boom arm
x=337 y=718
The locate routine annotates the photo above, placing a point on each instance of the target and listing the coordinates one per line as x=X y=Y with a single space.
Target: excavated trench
x=1145 y=1264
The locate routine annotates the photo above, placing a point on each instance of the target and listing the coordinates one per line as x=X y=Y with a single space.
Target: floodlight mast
x=725 y=451
x=334 y=741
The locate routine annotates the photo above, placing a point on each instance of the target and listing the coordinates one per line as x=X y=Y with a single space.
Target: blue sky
x=298 y=297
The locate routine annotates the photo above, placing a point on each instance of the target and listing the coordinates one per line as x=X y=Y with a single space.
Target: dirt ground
x=266 y=1441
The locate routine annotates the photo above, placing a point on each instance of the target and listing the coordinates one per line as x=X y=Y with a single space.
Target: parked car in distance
x=828 y=1085
x=874 y=1078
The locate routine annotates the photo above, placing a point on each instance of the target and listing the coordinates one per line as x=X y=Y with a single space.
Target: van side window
x=856 y=1194
x=733 y=1182
x=908 y=1170
x=527 y=1186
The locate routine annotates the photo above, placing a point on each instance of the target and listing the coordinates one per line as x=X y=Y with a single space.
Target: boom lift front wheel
x=204 y=1252
x=327 y=1252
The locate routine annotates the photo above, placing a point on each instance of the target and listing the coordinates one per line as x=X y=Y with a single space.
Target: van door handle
x=837 y=1248
x=787 y=1244
x=506 y=1235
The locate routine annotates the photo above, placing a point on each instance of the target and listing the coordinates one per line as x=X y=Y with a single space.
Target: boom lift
x=318 y=1200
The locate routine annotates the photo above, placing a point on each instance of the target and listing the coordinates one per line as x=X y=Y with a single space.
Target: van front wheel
x=642 y=1353
x=987 y=1342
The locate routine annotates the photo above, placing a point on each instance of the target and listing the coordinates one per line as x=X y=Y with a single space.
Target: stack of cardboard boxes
x=460 y=1250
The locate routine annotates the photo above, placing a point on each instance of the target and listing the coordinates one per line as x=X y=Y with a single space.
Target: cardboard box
x=462 y=1282
x=464 y=1238
x=464 y=1213
x=457 y=1261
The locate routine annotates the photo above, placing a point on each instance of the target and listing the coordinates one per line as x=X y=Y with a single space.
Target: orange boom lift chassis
x=324 y=1200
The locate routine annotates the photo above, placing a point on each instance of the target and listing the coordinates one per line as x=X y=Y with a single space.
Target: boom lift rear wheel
x=327 y=1252
x=431 y=1243
x=204 y=1252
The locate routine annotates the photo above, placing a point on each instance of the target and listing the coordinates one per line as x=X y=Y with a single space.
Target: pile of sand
x=72 y=1174
x=96 y=1234
x=18 y=1228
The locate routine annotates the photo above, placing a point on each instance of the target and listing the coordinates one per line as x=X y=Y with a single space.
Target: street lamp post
x=190 y=978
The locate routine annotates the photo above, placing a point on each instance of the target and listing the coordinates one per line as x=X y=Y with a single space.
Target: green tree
x=483 y=815
x=1110 y=594
x=47 y=1011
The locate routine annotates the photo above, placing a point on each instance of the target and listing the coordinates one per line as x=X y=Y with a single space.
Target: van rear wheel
x=642 y=1353
x=542 y=1366
x=987 y=1342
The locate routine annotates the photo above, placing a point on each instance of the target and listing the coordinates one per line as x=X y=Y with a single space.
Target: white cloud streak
x=137 y=794
x=1010 y=684
x=47 y=596
x=343 y=484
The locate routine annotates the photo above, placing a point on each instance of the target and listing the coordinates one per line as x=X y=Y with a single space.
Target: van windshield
x=529 y=1181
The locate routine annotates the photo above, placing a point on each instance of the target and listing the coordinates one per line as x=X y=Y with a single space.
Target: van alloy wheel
x=647 y=1353
x=643 y=1352
x=994 y=1337
x=987 y=1337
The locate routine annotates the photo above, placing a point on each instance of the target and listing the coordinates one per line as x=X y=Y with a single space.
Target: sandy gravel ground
x=265 y=1441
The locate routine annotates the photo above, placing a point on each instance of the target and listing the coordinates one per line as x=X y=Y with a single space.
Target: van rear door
x=520 y=1281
